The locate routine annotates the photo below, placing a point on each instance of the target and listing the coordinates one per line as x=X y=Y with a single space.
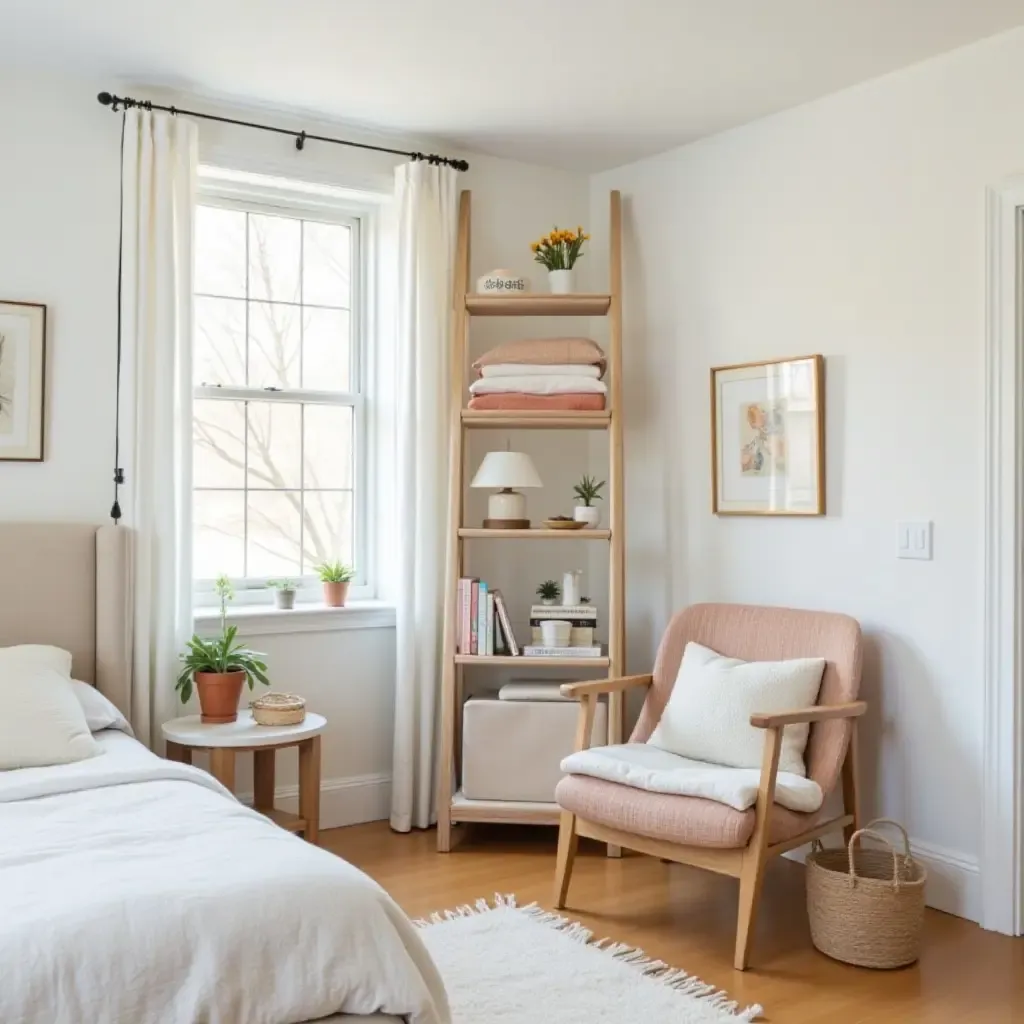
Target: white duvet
x=138 y=891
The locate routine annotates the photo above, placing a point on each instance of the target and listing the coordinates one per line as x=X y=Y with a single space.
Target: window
x=278 y=438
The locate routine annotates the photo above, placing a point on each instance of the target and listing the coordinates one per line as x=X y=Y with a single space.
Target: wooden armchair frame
x=745 y=863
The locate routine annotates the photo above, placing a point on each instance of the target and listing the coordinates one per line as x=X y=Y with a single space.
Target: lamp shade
x=506 y=469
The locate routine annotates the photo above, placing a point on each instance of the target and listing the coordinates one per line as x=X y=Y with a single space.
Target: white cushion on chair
x=707 y=717
x=643 y=766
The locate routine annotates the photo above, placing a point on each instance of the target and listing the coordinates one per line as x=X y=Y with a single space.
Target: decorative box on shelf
x=502 y=282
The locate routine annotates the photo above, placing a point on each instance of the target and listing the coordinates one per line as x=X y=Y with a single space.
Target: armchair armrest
x=819 y=713
x=575 y=690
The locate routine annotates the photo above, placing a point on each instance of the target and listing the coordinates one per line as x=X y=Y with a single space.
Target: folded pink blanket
x=511 y=401
x=545 y=351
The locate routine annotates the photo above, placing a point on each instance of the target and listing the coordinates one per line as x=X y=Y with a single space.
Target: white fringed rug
x=504 y=964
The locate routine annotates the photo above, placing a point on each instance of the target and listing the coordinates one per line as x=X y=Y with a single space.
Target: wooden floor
x=687 y=918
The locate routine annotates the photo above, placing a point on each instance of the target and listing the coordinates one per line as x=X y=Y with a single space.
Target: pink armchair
x=703 y=833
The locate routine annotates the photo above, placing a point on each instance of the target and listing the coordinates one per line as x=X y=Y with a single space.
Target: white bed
x=137 y=890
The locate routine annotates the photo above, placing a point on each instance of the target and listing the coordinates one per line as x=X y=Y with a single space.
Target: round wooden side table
x=224 y=740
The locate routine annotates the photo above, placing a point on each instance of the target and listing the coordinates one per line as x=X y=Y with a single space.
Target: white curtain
x=426 y=208
x=159 y=180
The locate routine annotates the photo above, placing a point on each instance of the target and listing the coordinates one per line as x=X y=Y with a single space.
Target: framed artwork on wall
x=768 y=438
x=22 y=381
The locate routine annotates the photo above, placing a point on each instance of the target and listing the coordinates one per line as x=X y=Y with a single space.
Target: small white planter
x=284 y=599
x=589 y=514
x=560 y=282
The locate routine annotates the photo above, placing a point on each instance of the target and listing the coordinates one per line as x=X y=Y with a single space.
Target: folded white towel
x=641 y=766
x=552 y=384
x=539 y=370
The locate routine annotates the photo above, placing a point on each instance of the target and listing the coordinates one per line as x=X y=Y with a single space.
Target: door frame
x=1002 y=853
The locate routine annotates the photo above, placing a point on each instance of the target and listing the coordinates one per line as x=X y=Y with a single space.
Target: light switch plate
x=914 y=540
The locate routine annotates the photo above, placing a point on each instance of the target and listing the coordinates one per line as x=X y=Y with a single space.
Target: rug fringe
x=657 y=970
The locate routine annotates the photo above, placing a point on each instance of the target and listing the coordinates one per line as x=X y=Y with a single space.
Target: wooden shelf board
x=538 y=304
x=289 y=822
x=524 y=662
x=533 y=419
x=537 y=533
x=504 y=812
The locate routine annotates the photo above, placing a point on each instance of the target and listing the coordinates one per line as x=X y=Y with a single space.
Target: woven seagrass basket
x=278 y=709
x=866 y=905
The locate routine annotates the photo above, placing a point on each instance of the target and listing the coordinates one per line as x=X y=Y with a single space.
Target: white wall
x=854 y=227
x=58 y=217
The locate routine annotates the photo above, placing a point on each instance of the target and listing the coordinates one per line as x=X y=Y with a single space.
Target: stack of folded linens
x=541 y=373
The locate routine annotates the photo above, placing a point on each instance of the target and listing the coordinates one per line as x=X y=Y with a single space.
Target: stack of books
x=483 y=627
x=582 y=639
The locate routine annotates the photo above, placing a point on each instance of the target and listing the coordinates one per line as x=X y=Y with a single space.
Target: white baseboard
x=344 y=801
x=954 y=879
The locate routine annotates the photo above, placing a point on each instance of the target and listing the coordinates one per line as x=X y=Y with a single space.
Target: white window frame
x=276 y=197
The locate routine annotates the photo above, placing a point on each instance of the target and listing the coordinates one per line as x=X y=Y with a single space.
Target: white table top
x=244 y=732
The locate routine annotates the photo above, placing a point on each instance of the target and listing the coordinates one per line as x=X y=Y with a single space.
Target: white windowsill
x=265 y=620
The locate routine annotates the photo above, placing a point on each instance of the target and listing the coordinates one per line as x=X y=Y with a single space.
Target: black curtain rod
x=117 y=102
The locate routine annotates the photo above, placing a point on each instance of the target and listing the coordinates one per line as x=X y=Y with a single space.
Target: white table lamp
x=506 y=510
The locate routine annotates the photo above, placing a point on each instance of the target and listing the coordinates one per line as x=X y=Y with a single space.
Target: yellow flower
x=579 y=231
x=534 y=246
x=586 y=238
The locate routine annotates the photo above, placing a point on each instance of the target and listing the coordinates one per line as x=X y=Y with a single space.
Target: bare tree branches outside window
x=273 y=471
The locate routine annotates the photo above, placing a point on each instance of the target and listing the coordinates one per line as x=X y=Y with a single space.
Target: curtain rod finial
x=105 y=98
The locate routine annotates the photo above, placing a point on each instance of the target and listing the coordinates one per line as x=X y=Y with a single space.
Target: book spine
x=535 y=651
x=536 y=620
x=481 y=619
x=506 y=624
x=490 y=623
x=460 y=588
x=467 y=598
x=474 y=618
x=562 y=611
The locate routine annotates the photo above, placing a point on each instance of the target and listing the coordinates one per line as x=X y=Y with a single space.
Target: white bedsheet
x=138 y=891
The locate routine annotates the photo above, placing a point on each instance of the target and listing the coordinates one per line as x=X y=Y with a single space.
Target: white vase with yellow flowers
x=559 y=252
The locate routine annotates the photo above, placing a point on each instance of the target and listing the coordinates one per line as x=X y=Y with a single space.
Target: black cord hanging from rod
x=301 y=137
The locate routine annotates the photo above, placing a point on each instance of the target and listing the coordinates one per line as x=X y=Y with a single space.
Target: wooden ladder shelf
x=452 y=806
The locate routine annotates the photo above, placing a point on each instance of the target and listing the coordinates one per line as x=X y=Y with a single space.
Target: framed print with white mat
x=22 y=386
x=768 y=438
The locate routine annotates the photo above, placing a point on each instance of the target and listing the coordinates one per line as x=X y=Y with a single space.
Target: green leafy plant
x=549 y=590
x=335 y=572
x=588 y=490
x=282 y=584
x=220 y=654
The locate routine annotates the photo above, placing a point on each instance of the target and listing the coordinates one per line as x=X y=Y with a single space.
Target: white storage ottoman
x=512 y=748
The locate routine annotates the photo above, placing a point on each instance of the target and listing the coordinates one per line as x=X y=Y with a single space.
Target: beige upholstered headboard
x=66 y=584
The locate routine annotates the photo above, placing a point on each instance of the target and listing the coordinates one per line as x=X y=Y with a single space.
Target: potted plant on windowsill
x=549 y=592
x=335 y=577
x=587 y=491
x=284 y=593
x=219 y=667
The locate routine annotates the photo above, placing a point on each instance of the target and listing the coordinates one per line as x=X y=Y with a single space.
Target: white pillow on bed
x=41 y=720
x=99 y=712
x=39 y=655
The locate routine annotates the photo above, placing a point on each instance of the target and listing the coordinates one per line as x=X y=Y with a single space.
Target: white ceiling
x=585 y=84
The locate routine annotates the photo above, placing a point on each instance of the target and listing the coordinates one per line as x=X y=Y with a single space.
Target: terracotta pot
x=335 y=594
x=219 y=694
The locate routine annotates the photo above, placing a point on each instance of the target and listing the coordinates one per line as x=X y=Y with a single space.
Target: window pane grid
x=324 y=526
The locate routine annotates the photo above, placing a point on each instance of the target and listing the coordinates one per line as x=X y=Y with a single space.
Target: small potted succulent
x=219 y=667
x=284 y=593
x=549 y=592
x=335 y=577
x=587 y=491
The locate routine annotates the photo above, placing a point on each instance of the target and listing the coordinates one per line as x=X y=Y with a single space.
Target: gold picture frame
x=22 y=381
x=768 y=438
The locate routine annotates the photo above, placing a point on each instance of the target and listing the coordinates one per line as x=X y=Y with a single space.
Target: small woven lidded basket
x=866 y=906
x=278 y=709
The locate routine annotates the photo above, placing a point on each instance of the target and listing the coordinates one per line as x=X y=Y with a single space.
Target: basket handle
x=882 y=839
x=902 y=830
